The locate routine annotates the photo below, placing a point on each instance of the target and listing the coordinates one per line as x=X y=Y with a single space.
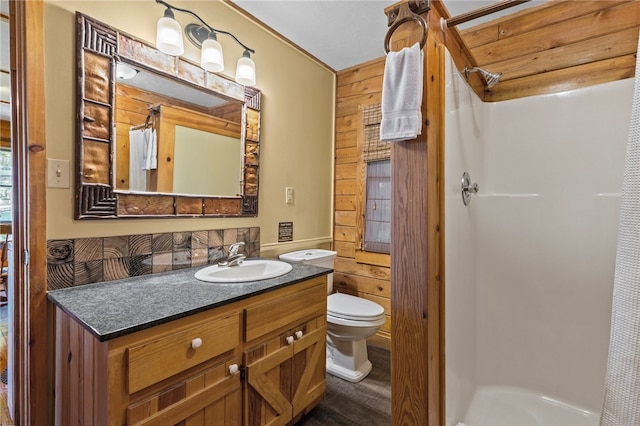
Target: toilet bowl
x=350 y=321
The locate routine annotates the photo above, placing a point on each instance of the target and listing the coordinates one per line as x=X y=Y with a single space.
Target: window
x=375 y=205
x=377 y=223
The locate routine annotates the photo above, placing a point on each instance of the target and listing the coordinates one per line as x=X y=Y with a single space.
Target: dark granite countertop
x=112 y=309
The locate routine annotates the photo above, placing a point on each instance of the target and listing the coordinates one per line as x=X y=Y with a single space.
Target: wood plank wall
x=557 y=46
x=356 y=272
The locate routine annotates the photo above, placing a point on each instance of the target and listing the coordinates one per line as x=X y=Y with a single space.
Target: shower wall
x=530 y=262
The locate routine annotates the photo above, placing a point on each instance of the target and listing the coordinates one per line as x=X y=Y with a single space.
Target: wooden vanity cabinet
x=285 y=357
x=152 y=377
x=254 y=362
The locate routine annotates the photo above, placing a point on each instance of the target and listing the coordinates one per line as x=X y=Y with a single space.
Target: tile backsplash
x=81 y=261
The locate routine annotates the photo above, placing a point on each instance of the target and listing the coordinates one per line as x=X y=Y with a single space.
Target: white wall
x=465 y=118
x=531 y=259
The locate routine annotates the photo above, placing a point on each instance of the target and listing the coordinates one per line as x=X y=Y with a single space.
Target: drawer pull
x=289 y=340
x=233 y=369
x=299 y=334
x=196 y=343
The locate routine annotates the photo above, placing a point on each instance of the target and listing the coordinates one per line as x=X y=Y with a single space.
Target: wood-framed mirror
x=109 y=109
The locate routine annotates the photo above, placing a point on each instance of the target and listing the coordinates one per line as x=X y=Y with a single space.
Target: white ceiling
x=343 y=33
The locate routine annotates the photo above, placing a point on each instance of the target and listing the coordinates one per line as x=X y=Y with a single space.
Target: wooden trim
x=452 y=39
x=435 y=87
x=31 y=374
x=371 y=258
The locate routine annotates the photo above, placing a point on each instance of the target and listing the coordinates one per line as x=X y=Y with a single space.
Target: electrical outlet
x=289 y=195
x=57 y=173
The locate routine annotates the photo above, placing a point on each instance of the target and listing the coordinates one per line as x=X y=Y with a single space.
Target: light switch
x=57 y=173
x=289 y=195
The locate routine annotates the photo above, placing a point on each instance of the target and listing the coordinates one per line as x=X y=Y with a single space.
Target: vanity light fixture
x=169 y=40
x=125 y=72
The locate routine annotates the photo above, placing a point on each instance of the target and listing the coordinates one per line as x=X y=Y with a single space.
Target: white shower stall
x=530 y=261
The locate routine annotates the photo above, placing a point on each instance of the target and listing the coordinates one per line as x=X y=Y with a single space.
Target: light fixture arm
x=209 y=27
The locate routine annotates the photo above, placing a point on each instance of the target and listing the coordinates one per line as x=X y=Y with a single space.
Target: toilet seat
x=352 y=308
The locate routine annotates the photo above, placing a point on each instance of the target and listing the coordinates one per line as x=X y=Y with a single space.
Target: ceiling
x=344 y=33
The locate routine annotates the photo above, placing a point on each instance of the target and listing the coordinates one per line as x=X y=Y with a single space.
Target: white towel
x=139 y=147
x=150 y=161
x=402 y=95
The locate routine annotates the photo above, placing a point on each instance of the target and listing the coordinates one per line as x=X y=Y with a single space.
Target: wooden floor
x=353 y=404
x=5 y=419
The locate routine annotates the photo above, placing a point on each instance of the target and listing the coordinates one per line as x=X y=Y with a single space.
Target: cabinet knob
x=233 y=369
x=196 y=343
x=299 y=334
x=289 y=340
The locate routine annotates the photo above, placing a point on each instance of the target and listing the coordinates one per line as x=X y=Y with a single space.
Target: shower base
x=511 y=406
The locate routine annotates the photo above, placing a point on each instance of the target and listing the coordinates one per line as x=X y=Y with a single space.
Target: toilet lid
x=353 y=308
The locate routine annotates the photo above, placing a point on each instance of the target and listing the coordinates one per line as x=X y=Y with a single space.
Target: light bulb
x=169 y=35
x=124 y=71
x=211 y=58
x=246 y=70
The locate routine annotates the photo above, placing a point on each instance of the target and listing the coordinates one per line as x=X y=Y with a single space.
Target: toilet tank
x=318 y=257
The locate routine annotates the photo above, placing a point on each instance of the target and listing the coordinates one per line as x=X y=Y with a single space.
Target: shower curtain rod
x=482 y=11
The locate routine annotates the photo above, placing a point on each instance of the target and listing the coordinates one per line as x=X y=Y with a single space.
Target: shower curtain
x=621 y=406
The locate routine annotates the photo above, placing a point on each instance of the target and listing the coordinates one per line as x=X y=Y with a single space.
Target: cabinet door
x=286 y=375
x=268 y=391
x=210 y=398
x=308 y=370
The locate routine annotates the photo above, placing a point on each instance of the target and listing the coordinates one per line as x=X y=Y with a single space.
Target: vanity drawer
x=284 y=311
x=161 y=358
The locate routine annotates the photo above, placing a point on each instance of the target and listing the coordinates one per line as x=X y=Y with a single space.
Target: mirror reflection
x=217 y=158
x=174 y=138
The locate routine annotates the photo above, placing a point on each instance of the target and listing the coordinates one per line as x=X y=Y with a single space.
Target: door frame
x=28 y=288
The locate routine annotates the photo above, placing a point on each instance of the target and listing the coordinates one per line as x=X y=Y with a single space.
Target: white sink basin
x=249 y=270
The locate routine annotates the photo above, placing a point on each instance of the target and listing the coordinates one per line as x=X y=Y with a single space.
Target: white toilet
x=350 y=321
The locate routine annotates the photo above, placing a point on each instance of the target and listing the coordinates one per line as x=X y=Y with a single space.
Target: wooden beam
x=417 y=382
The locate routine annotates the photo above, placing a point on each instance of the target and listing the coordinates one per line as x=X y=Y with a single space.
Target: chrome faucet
x=233 y=257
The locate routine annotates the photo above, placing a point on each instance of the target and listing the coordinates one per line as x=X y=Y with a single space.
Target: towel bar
x=405 y=14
